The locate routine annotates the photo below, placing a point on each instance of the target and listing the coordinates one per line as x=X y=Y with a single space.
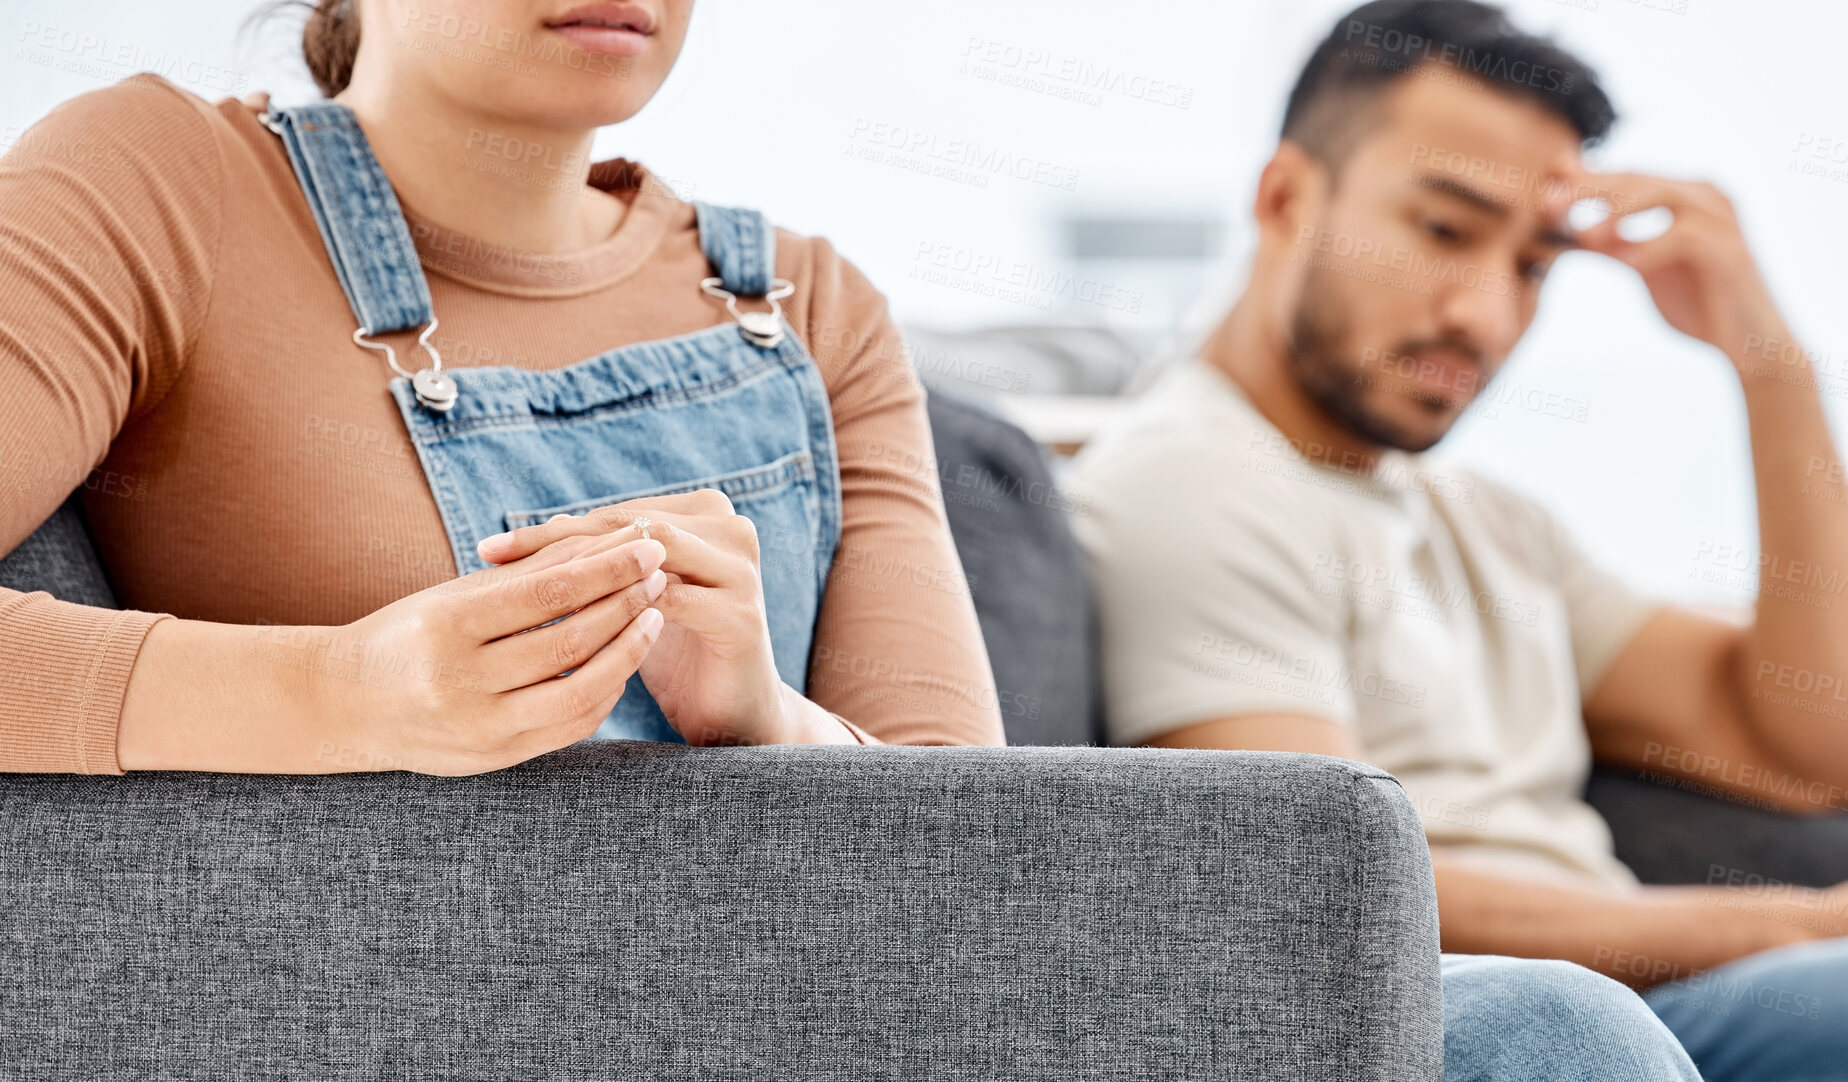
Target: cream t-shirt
x=1451 y=623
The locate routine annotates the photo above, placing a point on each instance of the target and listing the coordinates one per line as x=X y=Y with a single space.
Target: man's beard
x=1337 y=387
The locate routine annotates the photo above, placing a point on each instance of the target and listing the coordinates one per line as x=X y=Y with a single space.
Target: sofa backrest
x=1025 y=571
x=59 y=559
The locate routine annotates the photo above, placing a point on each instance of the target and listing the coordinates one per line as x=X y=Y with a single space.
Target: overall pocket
x=755 y=485
x=782 y=500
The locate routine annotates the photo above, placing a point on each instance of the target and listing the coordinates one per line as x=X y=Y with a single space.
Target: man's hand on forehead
x=1699 y=269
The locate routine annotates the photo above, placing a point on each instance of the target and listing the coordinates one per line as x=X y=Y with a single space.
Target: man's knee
x=1544 y=989
x=1550 y=1018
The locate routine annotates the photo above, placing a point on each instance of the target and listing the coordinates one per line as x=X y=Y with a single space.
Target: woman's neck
x=504 y=182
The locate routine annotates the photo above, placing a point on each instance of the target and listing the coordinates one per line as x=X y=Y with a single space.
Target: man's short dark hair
x=1379 y=43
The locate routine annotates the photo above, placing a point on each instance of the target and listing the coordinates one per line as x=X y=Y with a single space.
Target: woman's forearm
x=815 y=724
x=224 y=697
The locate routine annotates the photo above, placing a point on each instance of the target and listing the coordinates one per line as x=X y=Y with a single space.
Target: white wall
x=772 y=100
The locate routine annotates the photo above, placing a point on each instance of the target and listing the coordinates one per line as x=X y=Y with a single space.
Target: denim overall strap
x=741 y=247
x=358 y=215
x=718 y=408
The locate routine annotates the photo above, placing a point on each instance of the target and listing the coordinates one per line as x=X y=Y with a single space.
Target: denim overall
x=739 y=406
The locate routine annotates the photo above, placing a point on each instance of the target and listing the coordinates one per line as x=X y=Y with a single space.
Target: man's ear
x=1290 y=193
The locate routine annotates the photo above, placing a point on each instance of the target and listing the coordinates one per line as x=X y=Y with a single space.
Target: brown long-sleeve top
x=174 y=341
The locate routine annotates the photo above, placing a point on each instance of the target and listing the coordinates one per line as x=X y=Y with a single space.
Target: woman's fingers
x=583 y=699
x=523 y=542
x=544 y=652
x=513 y=603
x=707 y=611
x=549 y=556
x=728 y=557
x=610 y=518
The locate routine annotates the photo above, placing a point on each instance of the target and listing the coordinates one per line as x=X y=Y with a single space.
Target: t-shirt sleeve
x=898 y=652
x=1205 y=611
x=109 y=217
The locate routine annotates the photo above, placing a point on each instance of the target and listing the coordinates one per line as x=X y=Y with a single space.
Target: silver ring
x=642 y=524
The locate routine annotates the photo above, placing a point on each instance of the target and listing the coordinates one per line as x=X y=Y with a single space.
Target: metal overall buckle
x=761 y=329
x=435 y=390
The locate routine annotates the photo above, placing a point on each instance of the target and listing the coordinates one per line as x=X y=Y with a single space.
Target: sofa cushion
x=59 y=559
x=1026 y=573
x=1673 y=830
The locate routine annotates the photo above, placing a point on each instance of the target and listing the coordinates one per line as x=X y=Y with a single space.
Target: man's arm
x=1760 y=710
x=1679 y=701
x=1642 y=938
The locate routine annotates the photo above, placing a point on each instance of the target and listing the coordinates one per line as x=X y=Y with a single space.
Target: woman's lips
x=611 y=40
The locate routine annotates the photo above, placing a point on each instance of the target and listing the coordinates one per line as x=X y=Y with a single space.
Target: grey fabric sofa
x=626 y=910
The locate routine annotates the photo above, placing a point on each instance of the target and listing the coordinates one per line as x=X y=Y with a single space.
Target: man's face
x=1421 y=268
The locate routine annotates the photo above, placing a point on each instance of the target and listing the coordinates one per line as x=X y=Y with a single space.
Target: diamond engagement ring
x=642 y=524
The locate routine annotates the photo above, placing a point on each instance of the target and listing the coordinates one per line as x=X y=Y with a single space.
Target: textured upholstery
x=1671 y=834
x=1026 y=574
x=59 y=559
x=624 y=910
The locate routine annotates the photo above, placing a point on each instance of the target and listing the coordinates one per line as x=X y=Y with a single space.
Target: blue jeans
x=1779 y=1016
x=1517 y=1019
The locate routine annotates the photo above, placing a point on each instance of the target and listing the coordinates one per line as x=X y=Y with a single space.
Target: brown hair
x=330 y=42
x=330 y=37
